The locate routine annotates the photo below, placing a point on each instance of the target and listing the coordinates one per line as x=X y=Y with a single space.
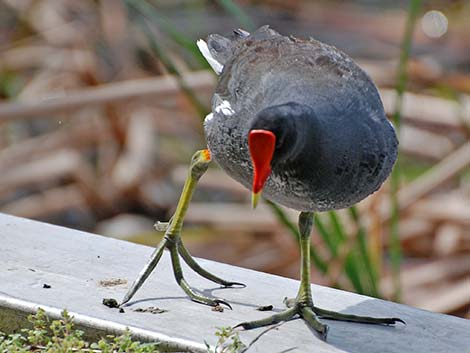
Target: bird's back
x=352 y=148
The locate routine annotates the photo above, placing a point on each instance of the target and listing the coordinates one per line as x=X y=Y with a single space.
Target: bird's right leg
x=172 y=241
x=302 y=306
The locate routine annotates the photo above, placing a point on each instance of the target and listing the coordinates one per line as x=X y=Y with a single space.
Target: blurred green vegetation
x=10 y=84
x=395 y=179
x=54 y=336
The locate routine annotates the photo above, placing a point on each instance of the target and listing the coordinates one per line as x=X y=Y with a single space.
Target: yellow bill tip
x=255 y=199
x=206 y=155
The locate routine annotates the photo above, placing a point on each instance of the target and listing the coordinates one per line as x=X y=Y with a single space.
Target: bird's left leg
x=302 y=305
x=172 y=241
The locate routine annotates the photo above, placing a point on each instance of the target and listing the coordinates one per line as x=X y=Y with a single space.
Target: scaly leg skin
x=172 y=241
x=302 y=306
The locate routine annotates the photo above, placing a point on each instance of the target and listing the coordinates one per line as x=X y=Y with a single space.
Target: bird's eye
x=279 y=143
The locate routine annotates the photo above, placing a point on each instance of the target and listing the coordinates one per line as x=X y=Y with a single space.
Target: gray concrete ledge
x=74 y=263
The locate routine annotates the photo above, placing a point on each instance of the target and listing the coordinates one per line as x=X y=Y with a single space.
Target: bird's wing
x=204 y=49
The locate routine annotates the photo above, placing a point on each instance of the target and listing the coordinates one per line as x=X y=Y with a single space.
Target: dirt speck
x=110 y=302
x=112 y=282
x=46 y=286
x=151 y=310
x=265 y=308
x=121 y=310
x=218 y=308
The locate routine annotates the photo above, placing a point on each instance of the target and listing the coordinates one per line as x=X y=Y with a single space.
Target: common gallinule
x=300 y=122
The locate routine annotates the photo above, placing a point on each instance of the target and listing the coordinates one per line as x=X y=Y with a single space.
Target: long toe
x=285 y=315
x=333 y=315
x=233 y=284
x=313 y=321
x=223 y=302
x=191 y=262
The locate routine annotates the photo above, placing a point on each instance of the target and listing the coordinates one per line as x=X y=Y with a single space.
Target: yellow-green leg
x=302 y=306
x=172 y=241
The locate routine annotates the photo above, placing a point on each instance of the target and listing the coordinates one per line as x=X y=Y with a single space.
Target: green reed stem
x=282 y=218
x=139 y=17
x=238 y=13
x=402 y=79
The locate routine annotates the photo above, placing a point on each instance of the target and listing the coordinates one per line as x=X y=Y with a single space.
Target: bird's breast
x=339 y=166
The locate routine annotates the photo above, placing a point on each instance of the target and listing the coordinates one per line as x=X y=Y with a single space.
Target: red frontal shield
x=261 y=144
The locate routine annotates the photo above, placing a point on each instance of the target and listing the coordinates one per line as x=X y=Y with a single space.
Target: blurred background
x=101 y=108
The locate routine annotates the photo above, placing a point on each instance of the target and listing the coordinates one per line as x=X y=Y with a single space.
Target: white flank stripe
x=204 y=49
x=208 y=117
x=225 y=108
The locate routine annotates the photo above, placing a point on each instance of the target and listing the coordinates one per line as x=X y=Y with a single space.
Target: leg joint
x=172 y=240
x=305 y=224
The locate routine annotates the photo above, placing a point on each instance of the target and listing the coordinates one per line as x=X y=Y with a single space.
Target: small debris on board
x=218 y=308
x=151 y=310
x=110 y=302
x=112 y=282
x=46 y=286
x=265 y=308
x=121 y=310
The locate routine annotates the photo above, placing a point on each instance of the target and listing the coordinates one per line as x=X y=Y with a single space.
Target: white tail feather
x=204 y=49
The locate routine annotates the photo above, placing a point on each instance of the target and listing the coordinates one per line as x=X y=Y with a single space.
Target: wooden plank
x=440 y=173
x=214 y=179
x=429 y=110
x=82 y=134
x=421 y=143
x=107 y=93
x=447 y=298
x=430 y=273
x=51 y=201
x=64 y=163
x=75 y=263
x=452 y=208
x=417 y=108
x=450 y=239
x=231 y=215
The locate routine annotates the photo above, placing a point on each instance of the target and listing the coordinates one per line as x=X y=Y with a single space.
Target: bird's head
x=275 y=135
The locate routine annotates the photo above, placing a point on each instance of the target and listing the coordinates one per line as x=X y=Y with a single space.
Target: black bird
x=298 y=121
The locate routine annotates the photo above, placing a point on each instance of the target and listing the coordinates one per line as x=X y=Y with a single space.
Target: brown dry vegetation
x=95 y=133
